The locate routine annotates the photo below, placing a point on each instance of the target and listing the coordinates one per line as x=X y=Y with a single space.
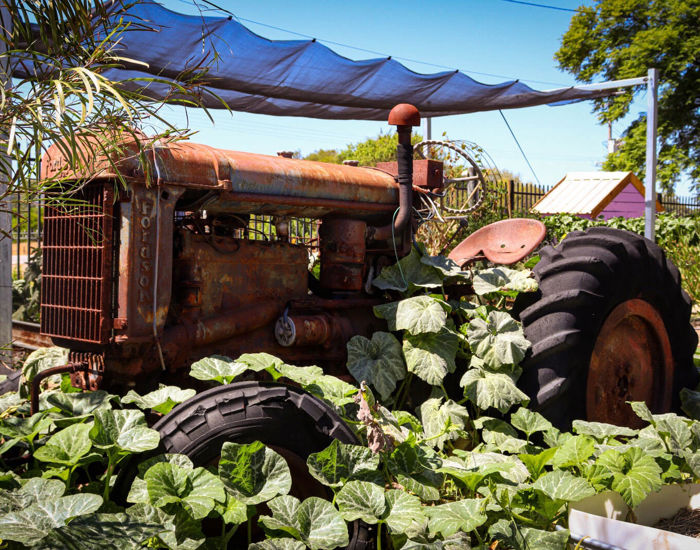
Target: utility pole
x=5 y=213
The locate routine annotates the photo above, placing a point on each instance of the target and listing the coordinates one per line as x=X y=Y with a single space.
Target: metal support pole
x=650 y=179
x=5 y=216
x=428 y=128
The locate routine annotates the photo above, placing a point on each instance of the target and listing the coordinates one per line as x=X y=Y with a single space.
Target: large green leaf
x=196 y=489
x=361 y=500
x=179 y=531
x=462 y=515
x=78 y=405
x=442 y=422
x=378 y=361
x=430 y=356
x=406 y=515
x=574 y=451
x=520 y=537
x=635 y=474
x=675 y=431
x=34 y=522
x=601 y=430
x=388 y=313
x=106 y=531
x=25 y=428
x=498 y=340
x=529 y=421
x=511 y=467
x=123 y=431
x=341 y=462
x=259 y=361
x=217 y=368
x=315 y=522
x=42 y=359
x=161 y=400
x=67 y=446
x=536 y=462
x=421 y=314
x=253 y=473
x=278 y=544
x=491 y=389
x=562 y=485
x=408 y=274
x=497 y=279
x=35 y=490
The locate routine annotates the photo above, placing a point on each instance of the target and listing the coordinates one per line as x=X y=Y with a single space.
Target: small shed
x=595 y=194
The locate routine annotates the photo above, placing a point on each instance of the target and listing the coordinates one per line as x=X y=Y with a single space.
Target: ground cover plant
x=451 y=457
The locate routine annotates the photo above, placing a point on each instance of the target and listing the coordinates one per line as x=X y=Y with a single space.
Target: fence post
x=510 y=198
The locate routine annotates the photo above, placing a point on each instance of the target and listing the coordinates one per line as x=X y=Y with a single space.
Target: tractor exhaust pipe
x=403 y=116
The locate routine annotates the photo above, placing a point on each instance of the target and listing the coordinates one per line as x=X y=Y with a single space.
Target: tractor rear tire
x=289 y=420
x=610 y=323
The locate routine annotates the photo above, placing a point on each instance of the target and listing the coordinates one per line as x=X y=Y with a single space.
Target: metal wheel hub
x=631 y=361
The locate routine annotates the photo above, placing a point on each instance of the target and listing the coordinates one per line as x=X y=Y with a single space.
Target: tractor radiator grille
x=77 y=262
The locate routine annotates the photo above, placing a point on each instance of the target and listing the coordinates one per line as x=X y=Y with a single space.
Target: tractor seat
x=504 y=242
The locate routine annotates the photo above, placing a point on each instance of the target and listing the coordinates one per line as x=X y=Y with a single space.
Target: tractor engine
x=203 y=251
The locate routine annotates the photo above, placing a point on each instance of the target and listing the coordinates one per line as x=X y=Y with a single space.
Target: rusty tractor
x=140 y=280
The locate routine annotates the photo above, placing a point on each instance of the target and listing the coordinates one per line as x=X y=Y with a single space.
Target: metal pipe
x=40 y=376
x=403 y=116
x=650 y=179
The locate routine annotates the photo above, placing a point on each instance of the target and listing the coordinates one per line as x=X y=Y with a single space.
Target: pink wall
x=629 y=203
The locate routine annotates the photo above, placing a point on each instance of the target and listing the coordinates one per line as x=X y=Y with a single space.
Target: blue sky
x=490 y=40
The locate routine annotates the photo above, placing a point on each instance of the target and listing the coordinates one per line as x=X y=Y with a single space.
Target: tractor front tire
x=610 y=323
x=292 y=422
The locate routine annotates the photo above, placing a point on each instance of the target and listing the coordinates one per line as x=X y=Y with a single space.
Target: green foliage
x=678 y=236
x=617 y=39
x=26 y=304
x=459 y=468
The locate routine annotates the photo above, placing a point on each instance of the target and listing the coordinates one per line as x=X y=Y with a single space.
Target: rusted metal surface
x=304 y=330
x=427 y=173
x=90 y=376
x=404 y=114
x=77 y=264
x=632 y=361
x=503 y=242
x=342 y=244
x=28 y=336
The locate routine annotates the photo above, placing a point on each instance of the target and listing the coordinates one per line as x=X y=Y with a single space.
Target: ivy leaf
x=642 y=411
x=315 y=522
x=601 y=430
x=78 y=405
x=123 y=431
x=340 y=462
x=42 y=359
x=529 y=422
x=377 y=361
x=34 y=522
x=498 y=279
x=232 y=511
x=304 y=376
x=501 y=442
x=361 y=500
x=676 y=431
x=691 y=403
x=67 y=446
x=527 y=538
x=217 y=368
x=462 y=515
x=406 y=515
x=430 y=356
x=421 y=314
x=253 y=473
x=510 y=467
x=161 y=400
x=25 y=428
x=408 y=274
x=498 y=339
x=635 y=474
x=442 y=422
x=35 y=490
x=562 y=485
x=574 y=451
x=491 y=389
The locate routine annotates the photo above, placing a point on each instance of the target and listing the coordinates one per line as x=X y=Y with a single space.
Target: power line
x=535 y=5
x=521 y=149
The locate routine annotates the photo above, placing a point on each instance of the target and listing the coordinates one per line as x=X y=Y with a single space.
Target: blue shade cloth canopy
x=298 y=77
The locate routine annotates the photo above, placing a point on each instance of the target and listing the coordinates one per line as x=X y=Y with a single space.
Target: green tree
x=616 y=39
